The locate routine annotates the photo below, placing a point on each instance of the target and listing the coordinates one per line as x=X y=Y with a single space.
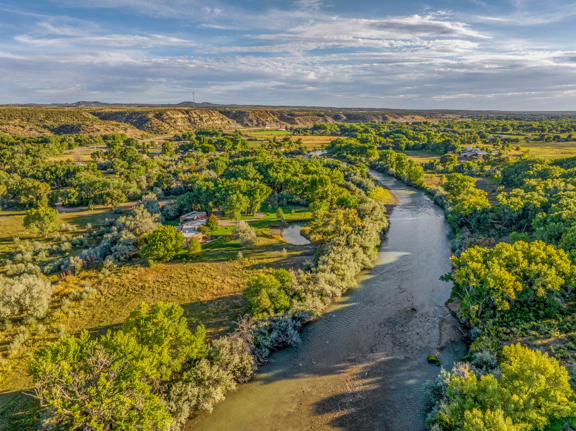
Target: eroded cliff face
x=169 y=121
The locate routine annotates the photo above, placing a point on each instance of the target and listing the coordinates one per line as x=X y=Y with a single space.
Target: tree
x=279 y=214
x=318 y=208
x=113 y=198
x=163 y=329
x=245 y=233
x=163 y=244
x=493 y=280
x=347 y=201
x=194 y=248
x=41 y=220
x=449 y=159
x=380 y=194
x=337 y=223
x=256 y=193
x=164 y=180
x=266 y=295
x=534 y=391
x=212 y=222
x=167 y=149
x=97 y=385
x=28 y=294
x=235 y=205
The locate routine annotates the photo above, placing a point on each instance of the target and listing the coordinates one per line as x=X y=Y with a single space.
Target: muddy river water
x=362 y=366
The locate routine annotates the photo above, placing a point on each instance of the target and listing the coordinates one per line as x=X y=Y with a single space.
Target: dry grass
x=310 y=142
x=552 y=150
x=421 y=156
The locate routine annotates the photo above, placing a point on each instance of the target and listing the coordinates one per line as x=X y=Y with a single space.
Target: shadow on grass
x=19 y=412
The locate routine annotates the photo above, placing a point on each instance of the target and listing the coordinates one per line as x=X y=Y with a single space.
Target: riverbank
x=362 y=366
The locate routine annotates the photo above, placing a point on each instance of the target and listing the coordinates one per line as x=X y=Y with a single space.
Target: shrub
x=280 y=214
x=245 y=233
x=28 y=294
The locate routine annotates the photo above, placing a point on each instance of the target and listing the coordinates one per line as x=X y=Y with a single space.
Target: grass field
x=268 y=132
x=553 y=150
x=310 y=142
x=421 y=156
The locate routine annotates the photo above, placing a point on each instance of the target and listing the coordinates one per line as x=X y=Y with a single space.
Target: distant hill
x=92 y=117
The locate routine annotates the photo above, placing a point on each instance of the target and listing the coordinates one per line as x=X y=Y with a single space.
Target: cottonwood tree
x=113 y=198
x=164 y=330
x=265 y=294
x=534 y=391
x=99 y=385
x=490 y=281
x=163 y=244
x=41 y=220
x=167 y=149
x=235 y=205
x=212 y=222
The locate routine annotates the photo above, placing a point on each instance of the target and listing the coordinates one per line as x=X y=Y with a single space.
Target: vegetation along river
x=362 y=365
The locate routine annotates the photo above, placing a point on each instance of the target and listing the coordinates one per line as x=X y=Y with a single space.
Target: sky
x=412 y=54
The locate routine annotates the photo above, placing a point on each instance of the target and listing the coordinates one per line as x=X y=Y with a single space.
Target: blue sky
x=460 y=54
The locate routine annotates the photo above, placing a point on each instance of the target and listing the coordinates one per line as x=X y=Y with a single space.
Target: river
x=362 y=365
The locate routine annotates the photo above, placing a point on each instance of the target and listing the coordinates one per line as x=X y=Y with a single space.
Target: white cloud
x=118 y=40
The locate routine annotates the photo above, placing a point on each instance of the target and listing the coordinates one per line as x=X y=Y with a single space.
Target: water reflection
x=292 y=235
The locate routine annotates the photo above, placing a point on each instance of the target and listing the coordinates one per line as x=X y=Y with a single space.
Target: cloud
x=532 y=12
x=344 y=30
x=300 y=56
x=197 y=10
x=119 y=40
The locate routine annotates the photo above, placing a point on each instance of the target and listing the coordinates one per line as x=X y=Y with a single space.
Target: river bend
x=362 y=365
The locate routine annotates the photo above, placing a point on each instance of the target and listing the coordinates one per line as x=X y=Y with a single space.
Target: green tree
x=113 y=198
x=235 y=205
x=163 y=244
x=212 y=222
x=318 y=208
x=449 y=159
x=266 y=296
x=41 y=220
x=164 y=180
x=347 y=201
x=493 y=280
x=533 y=391
x=99 y=385
x=167 y=149
x=163 y=329
x=194 y=248
x=279 y=214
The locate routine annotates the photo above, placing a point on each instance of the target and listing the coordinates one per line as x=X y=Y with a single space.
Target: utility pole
x=193 y=97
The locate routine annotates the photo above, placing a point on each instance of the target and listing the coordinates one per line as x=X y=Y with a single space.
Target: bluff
x=32 y=121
